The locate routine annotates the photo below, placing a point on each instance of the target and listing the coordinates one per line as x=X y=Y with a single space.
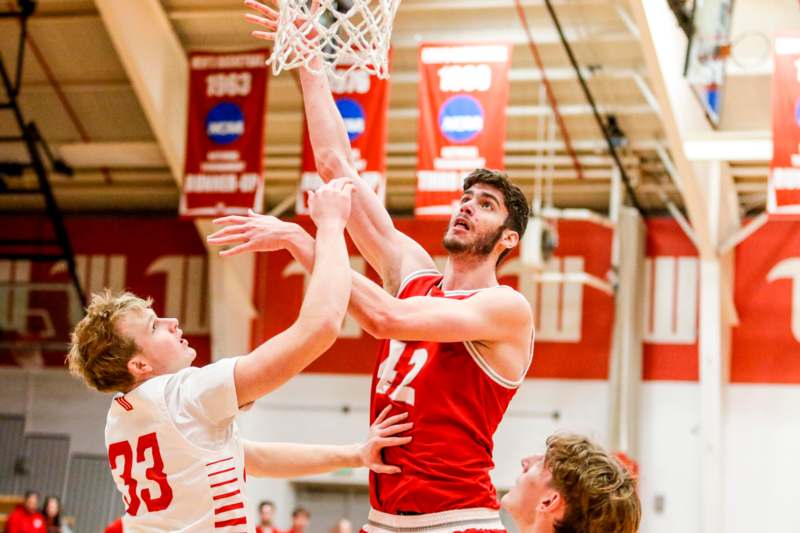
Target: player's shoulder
x=504 y=298
x=150 y=389
x=418 y=282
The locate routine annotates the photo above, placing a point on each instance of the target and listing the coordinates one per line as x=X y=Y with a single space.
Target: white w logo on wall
x=557 y=307
x=185 y=296
x=790 y=269
x=671 y=300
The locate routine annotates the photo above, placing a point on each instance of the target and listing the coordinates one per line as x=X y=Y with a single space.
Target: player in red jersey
x=456 y=344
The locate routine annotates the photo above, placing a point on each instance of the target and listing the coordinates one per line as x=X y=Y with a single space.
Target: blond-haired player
x=575 y=486
x=173 y=446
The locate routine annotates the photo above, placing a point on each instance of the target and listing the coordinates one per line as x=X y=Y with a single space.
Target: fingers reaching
x=261 y=21
x=340 y=183
x=262 y=8
x=380 y=468
x=226 y=232
x=239 y=249
x=230 y=239
x=382 y=416
x=391 y=420
x=393 y=441
x=264 y=35
x=395 y=429
x=230 y=219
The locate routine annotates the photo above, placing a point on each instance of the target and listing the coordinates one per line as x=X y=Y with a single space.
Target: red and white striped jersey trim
x=230 y=513
x=123 y=402
x=443 y=522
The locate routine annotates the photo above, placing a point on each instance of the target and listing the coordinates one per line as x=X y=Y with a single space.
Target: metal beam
x=709 y=194
x=663 y=46
x=156 y=64
x=625 y=373
x=148 y=155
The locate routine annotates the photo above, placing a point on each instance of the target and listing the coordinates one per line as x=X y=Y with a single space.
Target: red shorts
x=478 y=520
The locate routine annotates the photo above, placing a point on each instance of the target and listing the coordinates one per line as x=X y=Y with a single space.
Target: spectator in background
x=114 y=527
x=300 y=519
x=343 y=526
x=265 y=510
x=51 y=510
x=25 y=518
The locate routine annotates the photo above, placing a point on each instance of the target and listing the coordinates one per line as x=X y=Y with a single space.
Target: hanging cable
x=551 y=97
x=611 y=148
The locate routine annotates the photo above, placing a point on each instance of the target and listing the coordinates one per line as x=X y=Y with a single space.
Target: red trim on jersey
x=234 y=480
x=219 y=461
x=231 y=522
x=124 y=403
x=226 y=495
x=222 y=471
x=229 y=507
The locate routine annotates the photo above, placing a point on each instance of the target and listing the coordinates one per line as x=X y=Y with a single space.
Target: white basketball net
x=356 y=39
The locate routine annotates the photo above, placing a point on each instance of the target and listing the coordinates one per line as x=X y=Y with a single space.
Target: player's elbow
x=324 y=332
x=331 y=163
x=383 y=324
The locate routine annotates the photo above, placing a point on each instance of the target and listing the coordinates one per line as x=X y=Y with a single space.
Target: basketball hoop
x=344 y=34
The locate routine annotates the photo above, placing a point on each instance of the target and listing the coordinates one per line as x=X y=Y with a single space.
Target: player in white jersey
x=173 y=446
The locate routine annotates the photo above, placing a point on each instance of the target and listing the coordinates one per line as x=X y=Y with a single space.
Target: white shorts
x=481 y=519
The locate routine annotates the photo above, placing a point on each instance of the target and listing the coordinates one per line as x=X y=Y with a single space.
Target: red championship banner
x=225 y=134
x=161 y=258
x=784 y=181
x=363 y=102
x=573 y=321
x=463 y=92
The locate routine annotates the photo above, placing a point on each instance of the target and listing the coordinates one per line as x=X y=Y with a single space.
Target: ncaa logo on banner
x=353 y=117
x=225 y=123
x=461 y=118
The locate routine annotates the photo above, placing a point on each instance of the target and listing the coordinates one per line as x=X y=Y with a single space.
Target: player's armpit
x=413 y=257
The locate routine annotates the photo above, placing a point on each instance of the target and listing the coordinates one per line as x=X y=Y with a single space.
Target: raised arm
x=390 y=252
x=323 y=309
x=499 y=315
x=278 y=459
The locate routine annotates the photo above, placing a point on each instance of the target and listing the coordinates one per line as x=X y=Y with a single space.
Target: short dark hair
x=265 y=502
x=513 y=197
x=29 y=493
x=300 y=510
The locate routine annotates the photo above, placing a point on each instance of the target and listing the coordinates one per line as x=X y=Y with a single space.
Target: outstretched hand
x=383 y=434
x=268 y=18
x=330 y=204
x=253 y=233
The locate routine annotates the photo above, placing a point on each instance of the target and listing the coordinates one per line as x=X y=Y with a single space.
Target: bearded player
x=173 y=446
x=456 y=346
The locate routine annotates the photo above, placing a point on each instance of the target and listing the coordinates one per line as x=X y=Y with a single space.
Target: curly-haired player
x=576 y=486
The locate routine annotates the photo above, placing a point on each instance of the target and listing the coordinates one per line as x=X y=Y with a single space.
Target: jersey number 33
x=122 y=451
